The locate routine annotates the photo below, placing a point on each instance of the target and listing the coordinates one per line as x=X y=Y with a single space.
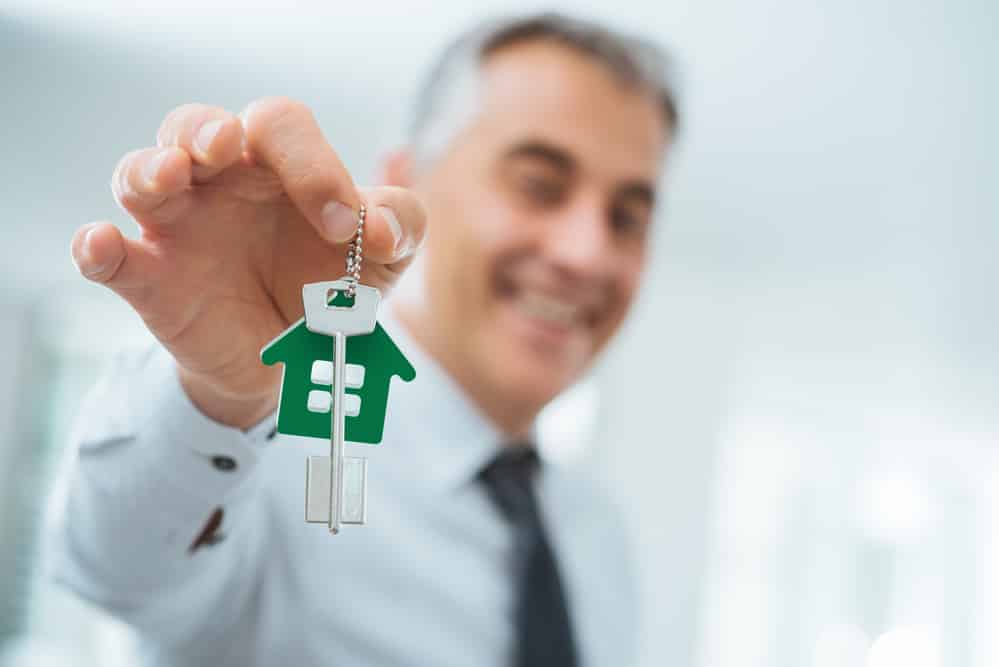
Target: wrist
x=237 y=411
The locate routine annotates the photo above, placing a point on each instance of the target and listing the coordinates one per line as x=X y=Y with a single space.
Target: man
x=532 y=164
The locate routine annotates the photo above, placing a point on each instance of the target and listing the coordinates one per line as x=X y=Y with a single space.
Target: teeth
x=546 y=308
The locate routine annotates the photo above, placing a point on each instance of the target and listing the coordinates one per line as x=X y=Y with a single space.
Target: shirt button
x=224 y=463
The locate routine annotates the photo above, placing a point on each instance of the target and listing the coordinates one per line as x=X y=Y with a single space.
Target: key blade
x=355 y=490
x=354 y=509
x=317 y=489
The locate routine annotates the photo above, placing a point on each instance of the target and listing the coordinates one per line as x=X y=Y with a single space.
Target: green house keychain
x=372 y=360
x=338 y=367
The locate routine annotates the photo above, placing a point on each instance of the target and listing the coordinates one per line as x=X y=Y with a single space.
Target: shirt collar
x=445 y=434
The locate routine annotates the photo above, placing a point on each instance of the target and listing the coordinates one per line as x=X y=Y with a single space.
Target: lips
x=555 y=307
x=547 y=309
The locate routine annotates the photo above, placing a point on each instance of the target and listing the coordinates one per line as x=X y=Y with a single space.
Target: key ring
x=355 y=252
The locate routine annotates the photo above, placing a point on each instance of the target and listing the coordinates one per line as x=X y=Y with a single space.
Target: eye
x=541 y=189
x=627 y=222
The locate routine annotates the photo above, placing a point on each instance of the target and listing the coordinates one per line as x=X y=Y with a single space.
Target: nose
x=579 y=240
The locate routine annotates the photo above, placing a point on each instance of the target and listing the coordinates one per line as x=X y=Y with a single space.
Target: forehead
x=548 y=92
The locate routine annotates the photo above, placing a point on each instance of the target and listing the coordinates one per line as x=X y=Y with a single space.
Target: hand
x=236 y=214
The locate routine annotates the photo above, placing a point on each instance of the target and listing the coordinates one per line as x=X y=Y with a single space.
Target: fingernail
x=89 y=267
x=77 y=253
x=153 y=166
x=339 y=222
x=206 y=135
x=398 y=252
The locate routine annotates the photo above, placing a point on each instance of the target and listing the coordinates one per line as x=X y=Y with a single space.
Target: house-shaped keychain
x=306 y=388
x=335 y=485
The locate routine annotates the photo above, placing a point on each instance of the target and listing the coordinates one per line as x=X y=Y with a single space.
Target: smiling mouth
x=544 y=308
x=548 y=310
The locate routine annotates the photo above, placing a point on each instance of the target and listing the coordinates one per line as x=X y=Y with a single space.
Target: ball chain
x=355 y=252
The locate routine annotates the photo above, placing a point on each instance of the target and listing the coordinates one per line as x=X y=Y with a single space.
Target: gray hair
x=635 y=62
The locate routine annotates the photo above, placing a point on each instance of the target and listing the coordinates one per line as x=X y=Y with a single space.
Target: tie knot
x=508 y=480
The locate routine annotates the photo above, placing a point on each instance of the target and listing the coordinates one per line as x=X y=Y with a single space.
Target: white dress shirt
x=428 y=580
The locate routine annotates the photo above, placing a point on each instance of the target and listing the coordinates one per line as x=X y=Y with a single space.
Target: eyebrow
x=561 y=159
x=540 y=150
x=644 y=192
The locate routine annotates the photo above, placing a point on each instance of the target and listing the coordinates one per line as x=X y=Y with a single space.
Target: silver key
x=342 y=489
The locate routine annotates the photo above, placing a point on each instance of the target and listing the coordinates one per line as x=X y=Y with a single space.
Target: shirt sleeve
x=144 y=472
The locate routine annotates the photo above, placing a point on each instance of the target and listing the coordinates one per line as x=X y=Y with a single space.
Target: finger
x=212 y=136
x=104 y=256
x=394 y=227
x=283 y=135
x=145 y=181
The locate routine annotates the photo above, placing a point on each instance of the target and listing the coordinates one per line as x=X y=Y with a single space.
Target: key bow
x=324 y=316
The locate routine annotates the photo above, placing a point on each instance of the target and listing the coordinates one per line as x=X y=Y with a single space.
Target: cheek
x=463 y=245
x=493 y=220
x=625 y=289
x=488 y=235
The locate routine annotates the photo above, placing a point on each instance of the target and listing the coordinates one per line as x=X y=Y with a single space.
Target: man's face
x=539 y=224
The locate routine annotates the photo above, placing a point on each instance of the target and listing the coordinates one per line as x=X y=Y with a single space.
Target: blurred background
x=801 y=415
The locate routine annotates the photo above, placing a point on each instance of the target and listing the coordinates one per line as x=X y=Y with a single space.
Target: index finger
x=282 y=135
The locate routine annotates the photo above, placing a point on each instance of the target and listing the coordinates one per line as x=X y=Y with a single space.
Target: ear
x=396 y=169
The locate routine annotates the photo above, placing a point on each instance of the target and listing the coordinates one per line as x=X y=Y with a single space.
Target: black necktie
x=544 y=631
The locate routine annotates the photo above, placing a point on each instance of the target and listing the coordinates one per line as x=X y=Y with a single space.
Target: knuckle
x=177 y=120
x=282 y=106
x=270 y=111
x=307 y=176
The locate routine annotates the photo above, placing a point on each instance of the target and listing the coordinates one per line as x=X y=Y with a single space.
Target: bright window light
x=895 y=508
x=916 y=646
x=840 y=645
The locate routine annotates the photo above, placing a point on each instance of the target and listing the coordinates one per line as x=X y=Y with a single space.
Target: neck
x=511 y=415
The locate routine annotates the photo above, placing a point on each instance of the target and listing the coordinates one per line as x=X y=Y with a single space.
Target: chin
x=533 y=345
x=531 y=385
x=533 y=371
